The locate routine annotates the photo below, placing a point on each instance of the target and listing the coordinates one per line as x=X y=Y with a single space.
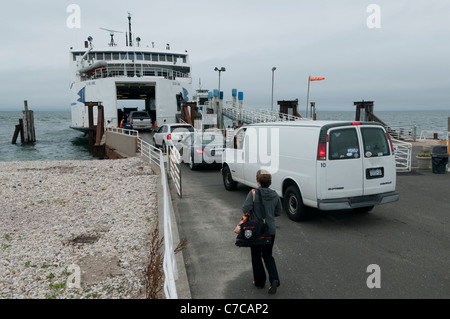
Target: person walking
x=272 y=206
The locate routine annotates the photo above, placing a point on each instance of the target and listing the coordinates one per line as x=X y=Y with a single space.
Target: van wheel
x=293 y=204
x=363 y=210
x=228 y=182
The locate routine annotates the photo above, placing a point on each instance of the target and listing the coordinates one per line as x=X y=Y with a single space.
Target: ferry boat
x=160 y=77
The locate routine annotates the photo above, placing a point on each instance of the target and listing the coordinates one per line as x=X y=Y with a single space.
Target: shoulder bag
x=254 y=231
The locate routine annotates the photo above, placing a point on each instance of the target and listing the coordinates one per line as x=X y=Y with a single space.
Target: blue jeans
x=260 y=254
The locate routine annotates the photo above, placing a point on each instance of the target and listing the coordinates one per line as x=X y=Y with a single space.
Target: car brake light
x=322 y=152
x=169 y=136
x=199 y=151
x=390 y=142
x=131 y=122
x=356 y=123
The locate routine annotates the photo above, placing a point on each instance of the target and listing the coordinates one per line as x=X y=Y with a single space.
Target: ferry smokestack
x=129 y=26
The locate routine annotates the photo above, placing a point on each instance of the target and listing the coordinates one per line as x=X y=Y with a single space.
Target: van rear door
x=340 y=172
x=378 y=160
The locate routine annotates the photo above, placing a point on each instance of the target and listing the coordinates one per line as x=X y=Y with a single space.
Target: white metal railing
x=424 y=133
x=257 y=116
x=123 y=131
x=149 y=151
x=174 y=160
x=403 y=133
x=130 y=70
x=402 y=151
x=169 y=264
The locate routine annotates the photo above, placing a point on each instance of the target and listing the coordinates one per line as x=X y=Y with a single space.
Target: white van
x=328 y=165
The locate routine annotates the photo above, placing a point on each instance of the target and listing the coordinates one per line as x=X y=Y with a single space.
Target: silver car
x=169 y=134
x=202 y=148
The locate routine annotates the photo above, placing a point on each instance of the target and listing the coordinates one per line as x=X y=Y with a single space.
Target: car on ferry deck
x=140 y=120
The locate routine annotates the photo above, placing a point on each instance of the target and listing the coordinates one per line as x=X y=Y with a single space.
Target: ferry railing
x=129 y=70
x=402 y=151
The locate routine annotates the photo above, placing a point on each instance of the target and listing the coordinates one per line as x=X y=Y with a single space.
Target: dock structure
x=25 y=128
x=96 y=132
x=246 y=116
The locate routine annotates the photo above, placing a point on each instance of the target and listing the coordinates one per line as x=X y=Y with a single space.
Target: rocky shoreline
x=57 y=217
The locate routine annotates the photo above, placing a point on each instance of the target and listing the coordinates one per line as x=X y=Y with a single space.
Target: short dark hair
x=264 y=178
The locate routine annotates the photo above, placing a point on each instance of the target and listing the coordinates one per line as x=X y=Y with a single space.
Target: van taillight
x=131 y=122
x=390 y=142
x=169 y=136
x=322 y=152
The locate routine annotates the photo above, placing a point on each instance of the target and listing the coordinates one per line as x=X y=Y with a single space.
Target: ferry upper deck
x=95 y=63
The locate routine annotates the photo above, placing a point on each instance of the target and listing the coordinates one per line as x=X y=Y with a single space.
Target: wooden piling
x=28 y=125
x=25 y=127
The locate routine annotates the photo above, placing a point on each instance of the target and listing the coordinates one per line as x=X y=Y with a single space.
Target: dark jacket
x=270 y=200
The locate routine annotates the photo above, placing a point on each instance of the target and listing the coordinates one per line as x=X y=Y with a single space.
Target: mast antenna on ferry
x=111 y=32
x=129 y=26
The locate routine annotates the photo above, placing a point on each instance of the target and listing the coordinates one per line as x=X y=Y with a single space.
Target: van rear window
x=375 y=142
x=343 y=144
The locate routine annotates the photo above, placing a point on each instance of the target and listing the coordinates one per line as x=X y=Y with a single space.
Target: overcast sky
x=402 y=65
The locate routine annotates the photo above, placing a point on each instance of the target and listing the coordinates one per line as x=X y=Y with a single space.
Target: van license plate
x=375 y=173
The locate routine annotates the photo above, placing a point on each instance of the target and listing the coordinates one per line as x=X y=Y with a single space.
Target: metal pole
x=273 y=77
x=307 y=98
x=222 y=69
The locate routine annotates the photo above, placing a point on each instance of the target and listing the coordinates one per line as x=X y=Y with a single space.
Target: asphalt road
x=326 y=256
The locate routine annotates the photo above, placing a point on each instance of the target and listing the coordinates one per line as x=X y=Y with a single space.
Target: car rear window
x=184 y=127
x=375 y=142
x=343 y=144
x=140 y=115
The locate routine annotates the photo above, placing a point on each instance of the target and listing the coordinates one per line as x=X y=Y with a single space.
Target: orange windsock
x=316 y=78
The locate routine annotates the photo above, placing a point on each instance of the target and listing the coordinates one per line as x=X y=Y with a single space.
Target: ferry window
x=343 y=144
x=123 y=56
x=139 y=56
x=169 y=58
x=75 y=56
x=155 y=57
x=91 y=56
x=108 y=56
x=116 y=56
x=375 y=143
x=100 y=56
x=131 y=56
x=184 y=59
x=147 y=56
x=162 y=57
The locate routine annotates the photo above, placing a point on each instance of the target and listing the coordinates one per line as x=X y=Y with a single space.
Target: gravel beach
x=96 y=216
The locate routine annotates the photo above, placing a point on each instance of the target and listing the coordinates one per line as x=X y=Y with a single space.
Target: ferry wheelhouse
x=160 y=77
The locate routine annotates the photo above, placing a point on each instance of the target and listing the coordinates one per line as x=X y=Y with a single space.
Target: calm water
x=56 y=141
